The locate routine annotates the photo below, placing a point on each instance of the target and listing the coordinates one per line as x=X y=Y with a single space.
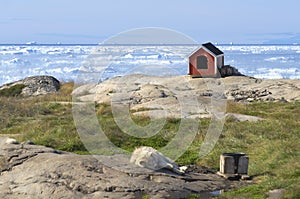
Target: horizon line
x=160 y=44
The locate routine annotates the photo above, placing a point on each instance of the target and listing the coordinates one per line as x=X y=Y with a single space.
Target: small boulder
x=227 y=70
x=40 y=85
x=31 y=86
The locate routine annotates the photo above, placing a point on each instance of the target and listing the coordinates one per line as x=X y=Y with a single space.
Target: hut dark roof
x=212 y=48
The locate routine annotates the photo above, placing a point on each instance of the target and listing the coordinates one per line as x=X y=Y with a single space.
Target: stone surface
x=248 y=89
x=243 y=118
x=30 y=171
x=186 y=97
x=276 y=193
x=36 y=85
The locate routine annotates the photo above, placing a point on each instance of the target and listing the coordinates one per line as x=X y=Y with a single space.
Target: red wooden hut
x=205 y=61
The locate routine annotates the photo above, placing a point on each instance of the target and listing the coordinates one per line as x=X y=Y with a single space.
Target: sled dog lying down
x=150 y=158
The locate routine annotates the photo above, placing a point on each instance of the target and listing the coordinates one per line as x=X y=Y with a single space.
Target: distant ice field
x=65 y=62
x=265 y=61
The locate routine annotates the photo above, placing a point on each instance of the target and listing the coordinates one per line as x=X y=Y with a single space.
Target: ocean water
x=265 y=61
x=65 y=62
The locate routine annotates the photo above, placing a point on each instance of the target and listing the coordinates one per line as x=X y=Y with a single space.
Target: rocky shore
x=31 y=171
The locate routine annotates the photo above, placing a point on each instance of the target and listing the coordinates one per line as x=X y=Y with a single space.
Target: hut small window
x=202 y=62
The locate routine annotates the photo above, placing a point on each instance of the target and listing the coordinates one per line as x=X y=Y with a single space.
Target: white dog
x=150 y=158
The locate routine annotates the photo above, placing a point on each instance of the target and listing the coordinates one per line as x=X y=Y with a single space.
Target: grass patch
x=271 y=144
x=13 y=91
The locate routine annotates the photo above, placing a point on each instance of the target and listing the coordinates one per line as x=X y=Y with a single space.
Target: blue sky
x=92 y=21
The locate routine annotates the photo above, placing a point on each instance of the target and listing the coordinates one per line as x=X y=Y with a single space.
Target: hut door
x=202 y=62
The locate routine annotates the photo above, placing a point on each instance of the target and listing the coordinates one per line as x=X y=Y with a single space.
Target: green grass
x=13 y=91
x=271 y=144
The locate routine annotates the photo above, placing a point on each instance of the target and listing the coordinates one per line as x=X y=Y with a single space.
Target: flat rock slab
x=30 y=171
x=243 y=118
